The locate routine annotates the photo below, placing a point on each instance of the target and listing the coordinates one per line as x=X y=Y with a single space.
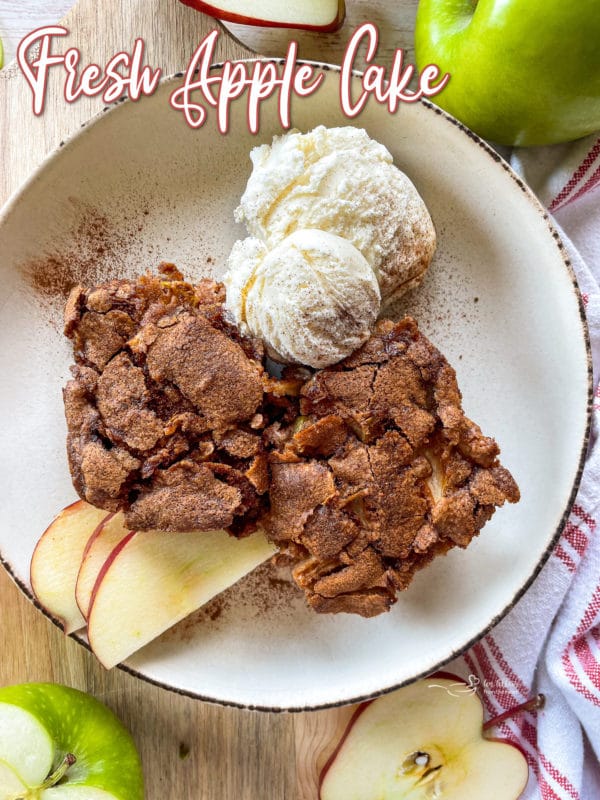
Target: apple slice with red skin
x=310 y=15
x=111 y=532
x=56 y=560
x=424 y=741
x=153 y=579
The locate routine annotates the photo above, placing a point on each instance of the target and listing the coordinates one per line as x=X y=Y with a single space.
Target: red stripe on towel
x=576 y=177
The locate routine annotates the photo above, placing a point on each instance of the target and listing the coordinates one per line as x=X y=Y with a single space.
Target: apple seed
x=413 y=760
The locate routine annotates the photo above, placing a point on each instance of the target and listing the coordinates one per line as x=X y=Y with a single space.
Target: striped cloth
x=550 y=642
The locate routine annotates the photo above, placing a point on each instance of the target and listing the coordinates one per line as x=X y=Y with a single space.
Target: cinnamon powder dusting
x=262 y=594
x=93 y=254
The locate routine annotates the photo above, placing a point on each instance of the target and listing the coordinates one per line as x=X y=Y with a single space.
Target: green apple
x=523 y=72
x=57 y=743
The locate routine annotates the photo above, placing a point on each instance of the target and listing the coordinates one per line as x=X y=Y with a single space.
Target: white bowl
x=137 y=186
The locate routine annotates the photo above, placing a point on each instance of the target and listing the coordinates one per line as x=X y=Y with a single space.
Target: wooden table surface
x=232 y=754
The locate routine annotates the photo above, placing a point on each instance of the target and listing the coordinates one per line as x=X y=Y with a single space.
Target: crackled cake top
x=163 y=409
x=381 y=472
x=361 y=473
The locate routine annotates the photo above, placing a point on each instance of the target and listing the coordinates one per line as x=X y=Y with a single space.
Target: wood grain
x=189 y=749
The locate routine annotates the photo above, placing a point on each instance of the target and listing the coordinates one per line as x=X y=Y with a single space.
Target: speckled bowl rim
x=488 y=149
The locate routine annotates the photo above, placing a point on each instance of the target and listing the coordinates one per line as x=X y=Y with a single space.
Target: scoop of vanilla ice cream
x=313 y=299
x=342 y=181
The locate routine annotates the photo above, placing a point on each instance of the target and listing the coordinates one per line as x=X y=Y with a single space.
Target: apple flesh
x=87 y=561
x=75 y=793
x=57 y=743
x=11 y=786
x=153 y=579
x=25 y=746
x=111 y=532
x=57 y=558
x=523 y=72
x=422 y=742
x=315 y=15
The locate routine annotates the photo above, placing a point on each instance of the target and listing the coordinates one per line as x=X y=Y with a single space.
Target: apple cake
x=381 y=472
x=360 y=473
x=163 y=411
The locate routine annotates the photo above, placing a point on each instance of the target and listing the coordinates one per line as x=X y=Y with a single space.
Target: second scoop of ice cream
x=313 y=298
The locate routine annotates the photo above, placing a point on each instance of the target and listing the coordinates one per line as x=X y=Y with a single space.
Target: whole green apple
x=57 y=743
x=523 y=72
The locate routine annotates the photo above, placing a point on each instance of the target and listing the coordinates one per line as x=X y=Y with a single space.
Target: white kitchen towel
x=550 y=641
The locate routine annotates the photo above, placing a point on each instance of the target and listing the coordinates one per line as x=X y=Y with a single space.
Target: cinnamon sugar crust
x=161 y=408
x=382 y=472
x=360 y=473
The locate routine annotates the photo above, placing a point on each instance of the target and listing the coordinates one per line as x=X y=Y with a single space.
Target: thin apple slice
x=312 y=15
x=154 y=579
x=111 y=531
x=56 y=560
x=420 y=742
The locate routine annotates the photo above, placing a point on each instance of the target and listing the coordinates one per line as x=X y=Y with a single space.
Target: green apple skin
x=523 y=72
x=77 y=723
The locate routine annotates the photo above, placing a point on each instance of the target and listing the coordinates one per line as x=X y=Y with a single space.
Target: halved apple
x=56 y=560
x=57 y=743
x=423 y=741
x=111 y=531
x=154 y=579
x=312 y=15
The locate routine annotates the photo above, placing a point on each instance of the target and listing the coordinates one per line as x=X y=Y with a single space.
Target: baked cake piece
x=381 y=473
x=163 y=411
x=361 y=473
